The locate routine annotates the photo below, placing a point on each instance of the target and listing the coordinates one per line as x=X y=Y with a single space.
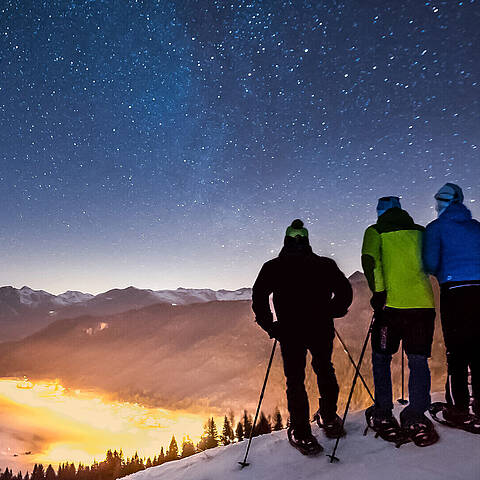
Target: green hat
x=296 y=229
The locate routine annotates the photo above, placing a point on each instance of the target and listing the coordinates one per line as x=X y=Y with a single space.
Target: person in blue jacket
x=451 y=252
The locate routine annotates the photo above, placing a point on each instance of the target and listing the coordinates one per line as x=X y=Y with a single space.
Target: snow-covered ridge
x=181 y=296
x=193 y=295
x=30 y=297
x=70 y=297
x=454 y=457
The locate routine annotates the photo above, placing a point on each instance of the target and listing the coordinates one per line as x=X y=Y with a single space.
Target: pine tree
x=239 y=432
x=7 y=474
x=263 y=425
x=71 y=472
x=117 y=463
x=38 y=473
x=50 y=473
x=161 y=457
x=227 y=432
x=247 y=424
x=231 y=418
x=188 y=448
x=81 y=472
x=172 y=453
x=277 y=420
x=210 y=436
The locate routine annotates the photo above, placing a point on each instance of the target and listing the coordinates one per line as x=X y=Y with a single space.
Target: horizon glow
x=78 y=426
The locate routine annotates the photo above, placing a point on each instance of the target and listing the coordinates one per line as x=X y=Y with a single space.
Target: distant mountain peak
x=73 y=296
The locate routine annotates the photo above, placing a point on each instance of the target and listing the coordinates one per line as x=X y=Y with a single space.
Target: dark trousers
x=294 y=354
x=414 y=327
x=461 y=333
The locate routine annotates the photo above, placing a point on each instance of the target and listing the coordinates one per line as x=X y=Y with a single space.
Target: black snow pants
x=294 y=353
x=461 y=332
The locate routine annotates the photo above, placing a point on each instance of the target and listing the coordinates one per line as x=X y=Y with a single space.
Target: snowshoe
x=307 y=446
x=421 y=433
x=387 y=428
x=333 y=428
x=451 y=417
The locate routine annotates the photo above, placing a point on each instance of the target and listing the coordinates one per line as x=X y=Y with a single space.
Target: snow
x=30 y=297
x=71 y=297
x=454 y=457
x=182 y=296
x=241 y=294
x=34 y=298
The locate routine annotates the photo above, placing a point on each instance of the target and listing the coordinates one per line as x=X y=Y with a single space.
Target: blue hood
x=451 y=248
x=456 y=212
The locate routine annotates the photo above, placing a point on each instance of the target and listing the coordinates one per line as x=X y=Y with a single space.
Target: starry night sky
x=170 y=143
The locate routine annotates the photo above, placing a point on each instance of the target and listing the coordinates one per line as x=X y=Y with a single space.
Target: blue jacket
x=451 y=246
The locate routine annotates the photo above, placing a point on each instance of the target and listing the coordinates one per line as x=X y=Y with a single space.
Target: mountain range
x=24 y=311
x=196 y=355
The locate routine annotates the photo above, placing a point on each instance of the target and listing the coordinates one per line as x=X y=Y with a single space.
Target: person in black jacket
x=309 y=291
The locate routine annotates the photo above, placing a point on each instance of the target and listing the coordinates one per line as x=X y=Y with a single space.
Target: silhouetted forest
x=116 y=465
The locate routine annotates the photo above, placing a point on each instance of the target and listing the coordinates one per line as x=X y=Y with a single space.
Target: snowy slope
x=454 y=457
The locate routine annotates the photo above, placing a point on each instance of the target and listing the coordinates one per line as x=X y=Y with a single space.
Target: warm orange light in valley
x=58 y=425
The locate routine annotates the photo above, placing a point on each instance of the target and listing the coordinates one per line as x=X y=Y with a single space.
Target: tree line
x=116 y=465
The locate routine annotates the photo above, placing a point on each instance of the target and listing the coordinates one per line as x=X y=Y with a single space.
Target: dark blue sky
x=170 y=143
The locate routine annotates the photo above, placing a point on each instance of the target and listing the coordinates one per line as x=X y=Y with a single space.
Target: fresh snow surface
x=454 y=457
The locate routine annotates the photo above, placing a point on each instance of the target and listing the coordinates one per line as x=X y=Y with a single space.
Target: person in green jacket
x=403 y=304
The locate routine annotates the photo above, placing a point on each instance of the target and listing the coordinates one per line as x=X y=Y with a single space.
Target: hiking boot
x=333 y=428
x=307 y=445
x=385 y=427
x=461 y=419
x=421 y=432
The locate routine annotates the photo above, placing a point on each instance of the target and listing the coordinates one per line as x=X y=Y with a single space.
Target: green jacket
x=392 y=261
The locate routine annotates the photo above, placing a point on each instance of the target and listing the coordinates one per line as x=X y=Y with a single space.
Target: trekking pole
x=245 y=463
x=403 y=401
x=345 y=349
x=355 y=377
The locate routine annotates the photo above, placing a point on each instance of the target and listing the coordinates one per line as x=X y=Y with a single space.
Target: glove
x=264 y=320
x=378 y=300
x=275 y=331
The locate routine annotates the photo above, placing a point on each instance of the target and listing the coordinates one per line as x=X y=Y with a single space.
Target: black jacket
x=308 y=290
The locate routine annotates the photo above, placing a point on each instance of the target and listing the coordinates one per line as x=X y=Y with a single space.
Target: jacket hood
x=395 y=217
x=456 y=212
